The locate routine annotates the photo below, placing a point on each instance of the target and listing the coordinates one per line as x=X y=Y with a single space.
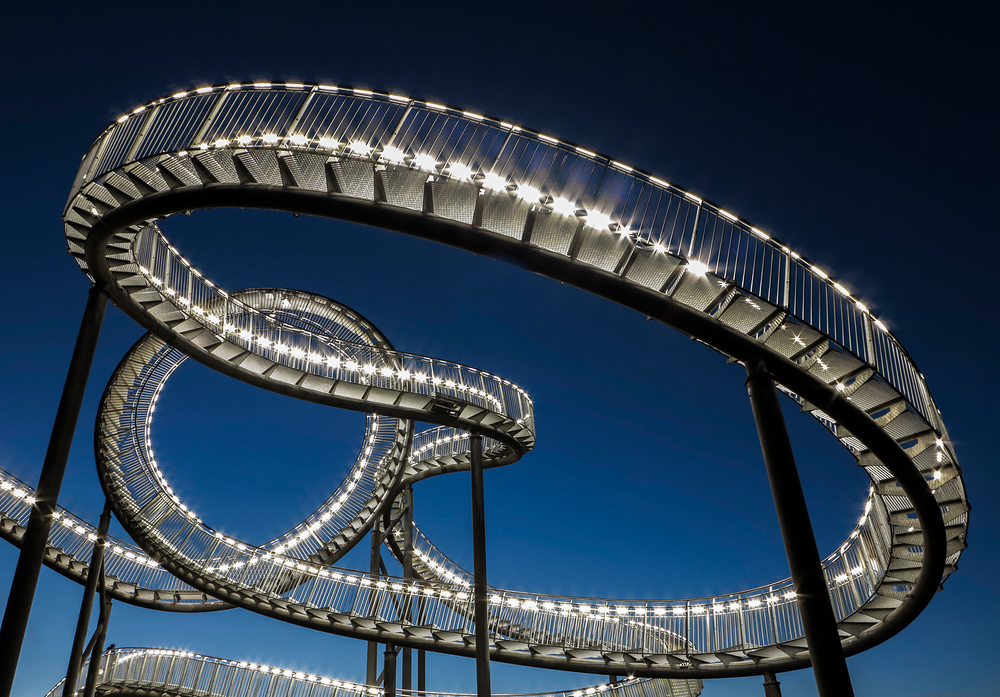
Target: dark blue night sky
x=865 y=138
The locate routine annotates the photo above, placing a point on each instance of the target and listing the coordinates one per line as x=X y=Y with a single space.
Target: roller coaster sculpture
x=493 y=188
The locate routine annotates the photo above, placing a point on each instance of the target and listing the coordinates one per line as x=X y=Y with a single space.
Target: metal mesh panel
x=73 y=217
x=98 y=192
x=745 y=314
x=120 y=183
x=554 y=231
x=650 y=269
x=834 y=365
x=262 y=166
x=906 y=425
x=697 y=291
x=220 y=165
x=149 y=171
x=454 y=200
x=307 y=169
x=355 y=178
x=603 y=249
x=872 y=394
x=404 y=187
x=182 y=169
x=505 y=214
x=791 y=339
x=879 y=473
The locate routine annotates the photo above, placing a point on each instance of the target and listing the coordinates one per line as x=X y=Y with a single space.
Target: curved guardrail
x=129 y=671
x=492 y=187
x=132 y=576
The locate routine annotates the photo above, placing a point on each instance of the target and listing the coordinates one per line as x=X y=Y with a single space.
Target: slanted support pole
x=29 y=561
x=93 y=674
x=483 y=688
x=813 y=597
x=772 y=688
x=86 y=607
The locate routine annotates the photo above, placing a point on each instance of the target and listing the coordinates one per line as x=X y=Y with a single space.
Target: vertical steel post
x=422 y=670
x=813 y=597
x=29 y=561
x=389 y=671
x=376 y=559
x=83 y=623
x=408 y=575
x=479 y=568
x=786 y=296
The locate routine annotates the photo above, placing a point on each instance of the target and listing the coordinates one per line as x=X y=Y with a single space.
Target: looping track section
x=548 y=206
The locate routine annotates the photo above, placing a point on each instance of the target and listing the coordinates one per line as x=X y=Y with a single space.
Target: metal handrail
x=183 y=672
x=633 y=203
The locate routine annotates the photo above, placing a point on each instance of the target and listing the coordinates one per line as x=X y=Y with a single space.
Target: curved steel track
x=548 y=206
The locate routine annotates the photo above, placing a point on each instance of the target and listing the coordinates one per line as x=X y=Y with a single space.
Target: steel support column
x=408 y=575
x=422 y=670
x=389 y=671
x=87 y=605
x=813 y=597
x=483 y=688
x=29 y=561
x=376 y=562
x=93 y=673
x=772 y=688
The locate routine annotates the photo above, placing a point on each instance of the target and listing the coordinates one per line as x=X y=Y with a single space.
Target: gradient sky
x=863 y=138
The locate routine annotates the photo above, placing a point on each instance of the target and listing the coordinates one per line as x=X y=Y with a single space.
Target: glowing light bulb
x=494 y=182
x=596 y=220
x=563 y=207
x=528 y=193
x=425 y=162
x=359 y=147
x=697 y=268
x=460 y=171
x=393 y=155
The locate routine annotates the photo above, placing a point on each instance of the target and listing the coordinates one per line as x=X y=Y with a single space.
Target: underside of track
x=547 y=206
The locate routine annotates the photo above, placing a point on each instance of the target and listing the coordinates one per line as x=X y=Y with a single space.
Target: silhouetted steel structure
x=549 y=206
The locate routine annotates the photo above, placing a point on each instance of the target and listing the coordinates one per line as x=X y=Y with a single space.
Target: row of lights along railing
x=264 y=333
x=187 y=671
x=834 y=310
x=132 y=441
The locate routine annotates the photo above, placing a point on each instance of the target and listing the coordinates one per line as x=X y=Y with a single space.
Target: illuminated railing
x=181 y=672
x=71 y=544
x=522 y=168
x=853 y=571
x=260 y=324
x=127 y=432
